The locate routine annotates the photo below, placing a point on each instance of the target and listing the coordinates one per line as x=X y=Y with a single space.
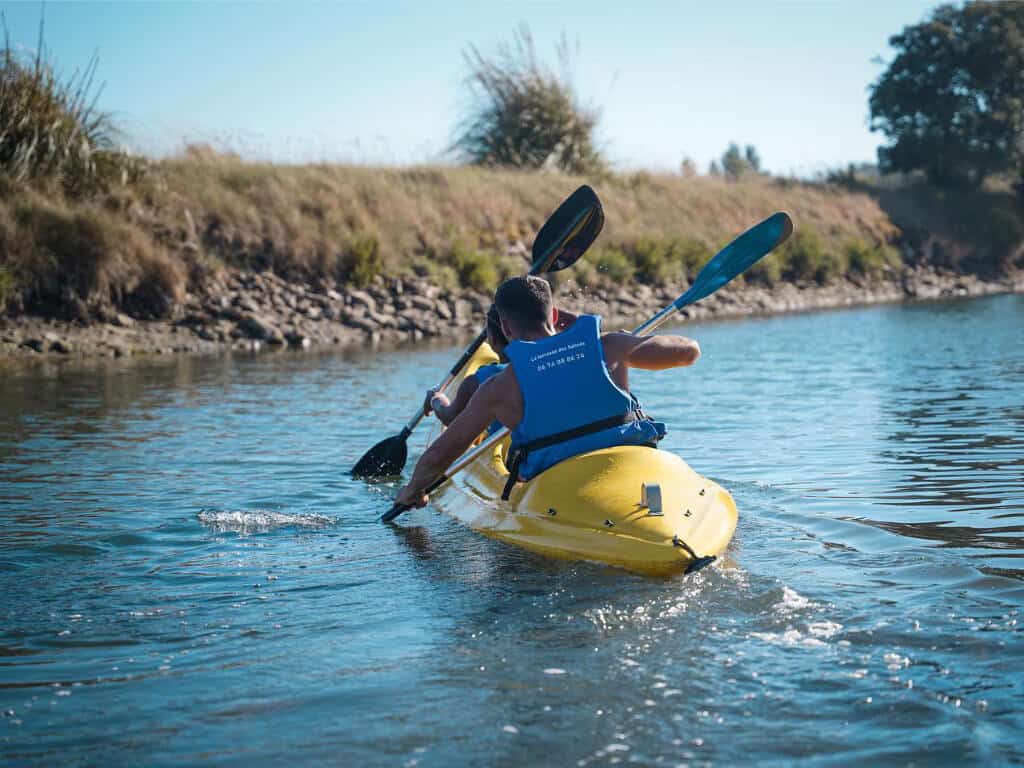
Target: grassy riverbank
x=142 y=247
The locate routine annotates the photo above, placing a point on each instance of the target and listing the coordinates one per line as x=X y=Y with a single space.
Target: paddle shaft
x=455 y=371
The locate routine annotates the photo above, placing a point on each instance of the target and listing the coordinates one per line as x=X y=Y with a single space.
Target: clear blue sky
x=381 y=82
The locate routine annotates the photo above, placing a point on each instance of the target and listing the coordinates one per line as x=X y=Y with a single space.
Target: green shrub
x=613 y=265
x=691 y=255
x=585 y=273
x=360 y=261
x=868 y=259
x=668 y=262
x=441 y=275
x=458 y=265
x=806 y=257
x=510 y=266
x=767 y=271
x=652 y=262
x=475 y=269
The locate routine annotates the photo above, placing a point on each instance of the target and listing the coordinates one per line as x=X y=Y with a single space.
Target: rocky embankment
x=256 y=311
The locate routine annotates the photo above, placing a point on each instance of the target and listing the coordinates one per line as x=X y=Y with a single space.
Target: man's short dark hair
x=524 y=302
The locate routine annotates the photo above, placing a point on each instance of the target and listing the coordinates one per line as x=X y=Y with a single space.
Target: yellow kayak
x=639 y=508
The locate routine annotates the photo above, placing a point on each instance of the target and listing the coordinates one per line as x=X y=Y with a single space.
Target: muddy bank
x=260 y=311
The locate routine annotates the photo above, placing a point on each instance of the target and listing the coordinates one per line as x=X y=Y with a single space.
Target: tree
x=737 y=163
x=951 y=102
x=523 y=114
x=753 y=158
x=688 y=168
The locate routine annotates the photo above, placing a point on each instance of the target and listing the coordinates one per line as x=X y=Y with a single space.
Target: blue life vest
x=483 y=373
x=570 y=403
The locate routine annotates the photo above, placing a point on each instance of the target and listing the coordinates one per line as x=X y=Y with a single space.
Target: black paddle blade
x=385 y=458
x=569 y=232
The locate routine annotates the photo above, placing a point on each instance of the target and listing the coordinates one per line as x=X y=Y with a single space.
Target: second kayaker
x=446 y=410
x=561 y=395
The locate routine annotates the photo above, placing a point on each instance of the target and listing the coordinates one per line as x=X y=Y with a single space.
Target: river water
x=188 y=575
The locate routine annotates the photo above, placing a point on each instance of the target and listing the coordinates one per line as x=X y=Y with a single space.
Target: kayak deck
x=590 y=507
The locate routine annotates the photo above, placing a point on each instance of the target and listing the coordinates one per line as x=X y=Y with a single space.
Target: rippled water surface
x=187 y=574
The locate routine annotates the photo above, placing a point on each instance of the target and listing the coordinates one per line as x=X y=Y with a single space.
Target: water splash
x=259 y=521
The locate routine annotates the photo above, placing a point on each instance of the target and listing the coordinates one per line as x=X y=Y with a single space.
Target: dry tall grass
x=300 y=220
x=138 y=247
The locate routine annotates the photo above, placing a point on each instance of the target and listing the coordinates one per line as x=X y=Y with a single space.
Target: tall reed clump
x=525 y=115
x=50 y=128
x=63 y=252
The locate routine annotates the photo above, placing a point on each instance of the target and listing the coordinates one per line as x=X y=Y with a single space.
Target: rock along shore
x=248 y=311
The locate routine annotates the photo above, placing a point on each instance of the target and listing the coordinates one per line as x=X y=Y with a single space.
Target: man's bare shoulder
x=499 y=386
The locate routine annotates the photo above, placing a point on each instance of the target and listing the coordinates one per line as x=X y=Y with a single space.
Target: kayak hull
x=590 y=507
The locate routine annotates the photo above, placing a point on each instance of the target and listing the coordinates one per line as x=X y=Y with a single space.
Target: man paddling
x=446 y=410
x=572 y=387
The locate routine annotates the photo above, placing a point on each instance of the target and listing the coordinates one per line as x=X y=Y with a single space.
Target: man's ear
x=505 y=329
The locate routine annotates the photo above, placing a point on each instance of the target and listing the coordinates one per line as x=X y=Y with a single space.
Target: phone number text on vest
x=559 y=356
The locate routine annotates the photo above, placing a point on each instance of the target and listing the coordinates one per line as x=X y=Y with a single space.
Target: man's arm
x=652 y=353
x=447 y=411
x=452 y=443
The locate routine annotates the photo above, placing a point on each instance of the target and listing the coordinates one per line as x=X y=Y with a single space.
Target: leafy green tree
x=525 y=115
x=952 y=100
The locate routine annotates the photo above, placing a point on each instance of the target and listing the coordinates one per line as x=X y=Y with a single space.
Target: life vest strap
x=520 y=453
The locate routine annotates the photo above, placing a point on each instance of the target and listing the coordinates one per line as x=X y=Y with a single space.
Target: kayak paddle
x=560 y=242
x=738 y=256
